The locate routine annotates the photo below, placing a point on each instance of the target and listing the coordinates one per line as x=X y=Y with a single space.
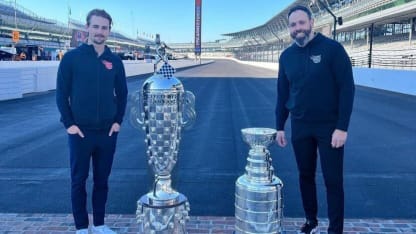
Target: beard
x=301 y=40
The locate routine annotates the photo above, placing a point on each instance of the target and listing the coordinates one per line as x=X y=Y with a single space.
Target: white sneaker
x=103 y=229
x=82 y=231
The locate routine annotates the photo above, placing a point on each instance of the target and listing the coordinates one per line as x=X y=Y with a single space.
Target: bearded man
x=316 y=86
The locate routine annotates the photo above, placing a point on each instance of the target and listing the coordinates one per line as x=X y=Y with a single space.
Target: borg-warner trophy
x=161 y=108
x=258 y=193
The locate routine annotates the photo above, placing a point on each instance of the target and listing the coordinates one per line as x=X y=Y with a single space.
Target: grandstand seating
x=40 y=31
x=390 y=48
x=262 y=43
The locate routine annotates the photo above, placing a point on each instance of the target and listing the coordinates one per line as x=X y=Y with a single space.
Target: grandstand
x=375 y=33
x=39 y=32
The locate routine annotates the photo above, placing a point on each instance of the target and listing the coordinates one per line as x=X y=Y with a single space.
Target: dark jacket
x=91 y=91
x=315 y=84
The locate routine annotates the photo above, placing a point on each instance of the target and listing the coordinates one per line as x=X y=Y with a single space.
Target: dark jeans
x=99 y=147
x=307 y=139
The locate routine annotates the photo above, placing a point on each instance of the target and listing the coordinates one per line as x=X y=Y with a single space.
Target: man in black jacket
x=315 y=85
x=91 y=97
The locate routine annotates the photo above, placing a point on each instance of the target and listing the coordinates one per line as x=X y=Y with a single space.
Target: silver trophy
x=161 y=108
x=258 y=193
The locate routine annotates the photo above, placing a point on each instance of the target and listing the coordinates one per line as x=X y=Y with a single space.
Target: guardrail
x=392 y=59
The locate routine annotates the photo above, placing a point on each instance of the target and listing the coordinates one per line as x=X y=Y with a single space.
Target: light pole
x=336 y=19
x=15 y=15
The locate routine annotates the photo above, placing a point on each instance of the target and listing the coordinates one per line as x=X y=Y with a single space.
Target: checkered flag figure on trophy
x=166 y=70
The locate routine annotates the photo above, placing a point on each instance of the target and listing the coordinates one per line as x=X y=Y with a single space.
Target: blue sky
x=172 y=19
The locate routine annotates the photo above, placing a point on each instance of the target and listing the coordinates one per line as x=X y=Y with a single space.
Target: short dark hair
x=101 y=13
x=300 y=8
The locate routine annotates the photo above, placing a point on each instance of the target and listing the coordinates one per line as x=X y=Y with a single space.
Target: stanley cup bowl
x=259 y=137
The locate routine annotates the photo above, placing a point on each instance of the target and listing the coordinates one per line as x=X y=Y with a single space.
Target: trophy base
x=158 y=216
x=258 y=206
x=163 y=199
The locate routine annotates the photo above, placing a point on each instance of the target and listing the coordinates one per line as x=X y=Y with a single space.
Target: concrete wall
x=271 y=66
x=18 y=78
x=21 y=77
x=400 y=81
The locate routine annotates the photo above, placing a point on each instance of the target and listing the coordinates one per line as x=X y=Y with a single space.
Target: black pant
x=307 y=139
x=100 y=147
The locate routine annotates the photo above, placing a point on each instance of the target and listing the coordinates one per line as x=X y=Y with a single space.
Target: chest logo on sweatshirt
x=107 y=64
x=316 y=58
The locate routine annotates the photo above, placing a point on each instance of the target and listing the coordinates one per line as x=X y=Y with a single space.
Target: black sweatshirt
x=315 y=84
x=91 y=91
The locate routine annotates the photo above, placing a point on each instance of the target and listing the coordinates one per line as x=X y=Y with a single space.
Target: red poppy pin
x=107 y=64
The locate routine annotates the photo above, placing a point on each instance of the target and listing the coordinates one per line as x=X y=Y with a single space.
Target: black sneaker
x=309 y=227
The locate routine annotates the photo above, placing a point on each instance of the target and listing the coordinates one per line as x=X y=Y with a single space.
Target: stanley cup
x=258 y=193
x=162 y=107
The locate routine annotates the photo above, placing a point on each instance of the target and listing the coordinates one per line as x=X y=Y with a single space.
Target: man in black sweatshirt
x=315 y=85
x=91 y=95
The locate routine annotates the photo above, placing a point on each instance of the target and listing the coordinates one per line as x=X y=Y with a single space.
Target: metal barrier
x=392 y=59
x=383 y=58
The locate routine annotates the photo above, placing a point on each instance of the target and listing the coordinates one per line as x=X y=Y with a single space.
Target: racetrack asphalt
x=379 y=168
